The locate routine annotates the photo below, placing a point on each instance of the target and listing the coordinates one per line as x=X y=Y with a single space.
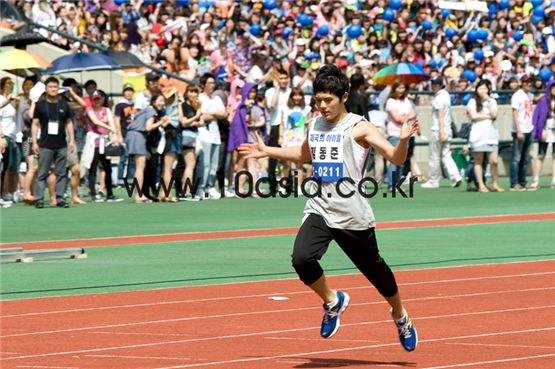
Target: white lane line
x=144 y=334
x=265 y=312
x=159 y=303
x=501 y=345
x=264 y=358
x=388 y=321
x=482 y=362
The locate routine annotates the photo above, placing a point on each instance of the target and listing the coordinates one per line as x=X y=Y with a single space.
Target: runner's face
x=328 y=105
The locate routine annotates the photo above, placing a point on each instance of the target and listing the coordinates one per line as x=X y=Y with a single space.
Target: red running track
x=491 y=316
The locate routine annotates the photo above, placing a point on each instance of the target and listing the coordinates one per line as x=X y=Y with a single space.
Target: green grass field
x=139 y=267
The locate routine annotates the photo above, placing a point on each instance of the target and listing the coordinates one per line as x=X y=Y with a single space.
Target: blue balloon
x=305 y=20
x=536 y=19
x=466 y=98
x=517 y=36
x=206 y=3
x=539 y=11
x=255 y=29
x=545 y=74
x=287 y=31
x=471 y=76
x=445 y=13
x=472 y=35
x=313 y=55
x=354 y=31
x=479 y=55
x=395 y=4
x=388 y=15
x=420 y=64
x=441 y=63
x=323 y=30
x=504 y=4
x=220 y=25
x=482 y=34
x=536 y=3
x=427 y=25
x=450 y=32
x=492 y=9
x=270 y=4
x=432 y=64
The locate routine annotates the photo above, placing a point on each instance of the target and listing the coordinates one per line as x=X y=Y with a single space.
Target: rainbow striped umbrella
x=405 y=72
x=21 y=59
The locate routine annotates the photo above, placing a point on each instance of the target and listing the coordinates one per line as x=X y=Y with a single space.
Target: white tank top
x=337 y=157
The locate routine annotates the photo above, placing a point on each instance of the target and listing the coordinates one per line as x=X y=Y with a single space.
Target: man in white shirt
x=439 y=147
x=276 y=102
x=212 y=109
x=522 y=107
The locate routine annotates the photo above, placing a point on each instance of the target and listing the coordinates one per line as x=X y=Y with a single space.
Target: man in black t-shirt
x=124 y=115
x=52 y=117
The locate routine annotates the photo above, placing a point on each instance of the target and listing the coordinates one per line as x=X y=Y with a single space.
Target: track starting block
x=17 y=254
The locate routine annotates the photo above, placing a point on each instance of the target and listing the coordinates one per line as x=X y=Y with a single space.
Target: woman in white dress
x=484 y=136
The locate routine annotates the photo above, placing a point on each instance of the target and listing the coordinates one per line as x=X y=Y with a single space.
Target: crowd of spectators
x=254 y=62
x=250 y=39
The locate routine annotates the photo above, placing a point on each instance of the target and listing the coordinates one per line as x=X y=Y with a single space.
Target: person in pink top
x=100 y=122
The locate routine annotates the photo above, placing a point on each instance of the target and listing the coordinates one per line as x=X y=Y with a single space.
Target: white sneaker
x=429 y=185
x=5 y=204
x=213 y=194
x=229 y=193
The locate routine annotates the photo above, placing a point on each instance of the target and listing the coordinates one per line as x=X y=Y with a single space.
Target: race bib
x=53 y=128
x=327 y=155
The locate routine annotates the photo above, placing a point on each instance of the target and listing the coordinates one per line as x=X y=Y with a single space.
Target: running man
x=337 y=145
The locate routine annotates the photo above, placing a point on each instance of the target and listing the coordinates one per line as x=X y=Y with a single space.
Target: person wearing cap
x=124 y=113
x=521 y=105
x=50 y=116
x=100 y=122
x=304 y=78
x=439 y=147
x=90 y=87
x=142 y=100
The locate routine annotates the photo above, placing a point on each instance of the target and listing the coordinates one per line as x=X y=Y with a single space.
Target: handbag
x=113 y=150
x=188 y=138
x=464 y=131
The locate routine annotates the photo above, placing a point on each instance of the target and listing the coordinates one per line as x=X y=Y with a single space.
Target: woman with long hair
x=294 y=120
x=543 y=121
x=147 y=120
x=484 y=136
x=190 y=118
x=25 y=121
x=172 y=134
x=399 y=110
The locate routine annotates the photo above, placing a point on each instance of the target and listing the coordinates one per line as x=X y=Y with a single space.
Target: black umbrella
x=124 y=59
x=22 y=39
